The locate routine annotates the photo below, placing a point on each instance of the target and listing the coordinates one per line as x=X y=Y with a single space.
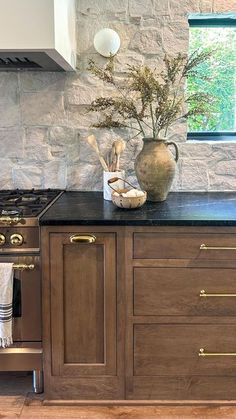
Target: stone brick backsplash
x=43 y=118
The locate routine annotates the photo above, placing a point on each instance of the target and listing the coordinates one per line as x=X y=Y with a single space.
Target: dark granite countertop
x=180 y=208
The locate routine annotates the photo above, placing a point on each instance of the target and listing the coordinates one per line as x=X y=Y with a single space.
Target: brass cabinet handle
x=204 y=247
x=20 y=351
x=202 y=352
x=11 y=220
x=78 y=238
x=203 y=293
x=23 y=266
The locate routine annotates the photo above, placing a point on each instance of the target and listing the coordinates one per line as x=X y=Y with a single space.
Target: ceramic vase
x=155 y=168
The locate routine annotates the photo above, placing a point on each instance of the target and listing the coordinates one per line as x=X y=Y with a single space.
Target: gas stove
x=24 y=207
x=20 y=211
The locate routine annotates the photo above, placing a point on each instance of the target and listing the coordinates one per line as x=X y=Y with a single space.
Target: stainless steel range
x=20 y=211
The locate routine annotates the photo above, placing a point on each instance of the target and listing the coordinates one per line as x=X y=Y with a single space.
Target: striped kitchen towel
x=6 y=292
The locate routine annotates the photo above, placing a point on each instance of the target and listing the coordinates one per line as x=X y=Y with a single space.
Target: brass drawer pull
x=203 y=353
x=77 y=238
x=204 y=247
x=203 y=293
x=23 y=266
x=11 y=220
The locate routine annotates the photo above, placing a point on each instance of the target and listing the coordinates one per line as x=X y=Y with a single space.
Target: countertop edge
x=182 y=223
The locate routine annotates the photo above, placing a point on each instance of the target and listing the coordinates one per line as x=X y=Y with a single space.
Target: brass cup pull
x=203 y=293
x=205 y=247
x=203 y=353
x=23 y=266
x=11 y=220
x=78 y=238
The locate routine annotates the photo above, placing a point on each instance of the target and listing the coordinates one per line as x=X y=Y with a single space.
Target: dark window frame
x=212 y=136
x=211 y=22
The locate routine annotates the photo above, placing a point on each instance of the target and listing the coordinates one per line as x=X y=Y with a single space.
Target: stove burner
x=12 y=199
x=25 y=203
x=29 y=198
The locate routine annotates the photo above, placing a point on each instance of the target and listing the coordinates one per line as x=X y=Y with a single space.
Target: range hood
x=37 y=35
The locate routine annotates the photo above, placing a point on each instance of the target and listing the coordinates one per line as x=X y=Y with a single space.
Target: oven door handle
x=11 y=220
x=23 y=266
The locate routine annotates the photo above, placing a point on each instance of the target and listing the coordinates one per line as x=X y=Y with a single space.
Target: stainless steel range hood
x=37 y=35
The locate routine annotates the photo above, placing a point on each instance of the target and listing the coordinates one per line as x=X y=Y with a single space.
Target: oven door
x=27 y=326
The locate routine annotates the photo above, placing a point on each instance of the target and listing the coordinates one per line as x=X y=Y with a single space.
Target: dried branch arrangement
x=147 y=101
x=112 y=162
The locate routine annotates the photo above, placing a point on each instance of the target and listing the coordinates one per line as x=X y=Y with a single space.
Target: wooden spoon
x=113 y=158
x=119 y=148
x=91 y=140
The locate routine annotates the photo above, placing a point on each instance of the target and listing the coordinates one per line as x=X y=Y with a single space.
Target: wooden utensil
x=113 y=158
x=91 y=140
x=119 y=148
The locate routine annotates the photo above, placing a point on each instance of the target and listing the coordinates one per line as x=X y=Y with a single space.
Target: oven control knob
x=16 y=239
x=2 y=239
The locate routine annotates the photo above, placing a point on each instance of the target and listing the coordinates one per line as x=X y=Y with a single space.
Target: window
x=216 y=32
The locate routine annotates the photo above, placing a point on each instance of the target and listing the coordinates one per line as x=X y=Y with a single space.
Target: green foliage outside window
x=219 y=78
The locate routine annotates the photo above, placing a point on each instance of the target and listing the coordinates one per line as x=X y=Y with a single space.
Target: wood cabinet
x=176 y=291
x=181 y=314
x=80 y=315
x=140 y=313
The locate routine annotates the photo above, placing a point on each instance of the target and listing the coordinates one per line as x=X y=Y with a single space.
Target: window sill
x=209 y=137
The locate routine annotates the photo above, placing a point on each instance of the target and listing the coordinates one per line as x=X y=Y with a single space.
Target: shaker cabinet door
x=83 y=304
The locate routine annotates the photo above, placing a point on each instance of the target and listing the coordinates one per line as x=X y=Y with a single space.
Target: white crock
x=116 y=185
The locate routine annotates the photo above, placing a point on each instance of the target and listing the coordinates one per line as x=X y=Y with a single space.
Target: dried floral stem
x=153 y=121
x=146 y=95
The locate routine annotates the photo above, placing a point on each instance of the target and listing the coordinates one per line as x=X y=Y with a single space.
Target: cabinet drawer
x=184 y=246
x=183 y=388
x=178 y=292
x=173 y=350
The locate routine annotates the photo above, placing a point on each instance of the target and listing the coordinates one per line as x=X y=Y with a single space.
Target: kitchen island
x=139 y=306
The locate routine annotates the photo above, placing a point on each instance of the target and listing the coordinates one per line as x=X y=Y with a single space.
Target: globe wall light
x=107 y=42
